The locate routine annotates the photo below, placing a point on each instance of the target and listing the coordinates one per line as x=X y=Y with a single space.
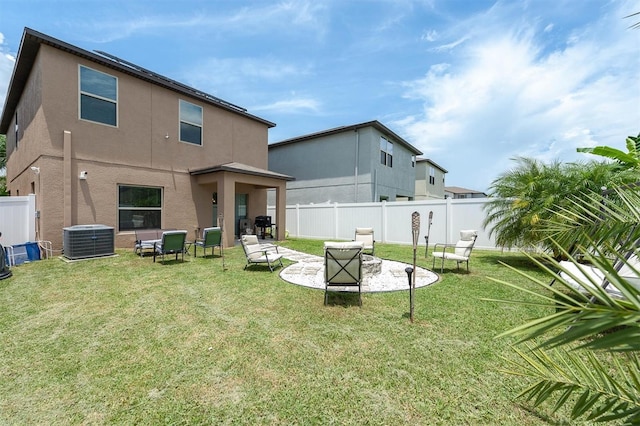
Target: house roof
x=428 y=160
x=375 y=124
x=460 y=190
x=30 y=45
x=241 y=168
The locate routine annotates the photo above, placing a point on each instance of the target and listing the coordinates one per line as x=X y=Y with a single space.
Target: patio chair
x=211 y=238
x=343 y=267
x=172 y=242
x=460 y=251
x=581 y=276
x=365 y=235
x=257 y=253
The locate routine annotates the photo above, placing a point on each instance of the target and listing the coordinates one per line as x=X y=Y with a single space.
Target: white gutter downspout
x=355 y=178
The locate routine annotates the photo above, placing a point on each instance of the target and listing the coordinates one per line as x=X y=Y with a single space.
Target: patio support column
x=226 y=201
x=67 y=181
x=281 y=211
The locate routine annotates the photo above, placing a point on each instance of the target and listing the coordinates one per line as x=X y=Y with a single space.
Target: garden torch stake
x=415 y=231
x=426 y=237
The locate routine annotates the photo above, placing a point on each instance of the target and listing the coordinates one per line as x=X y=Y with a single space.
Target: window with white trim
x=386 y=152
x=98 y=96
x=190 y=123
x=139 y=207
x=432 y=176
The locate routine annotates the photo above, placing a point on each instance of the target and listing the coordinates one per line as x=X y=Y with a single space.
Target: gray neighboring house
x=457 y=192
x=429 y=180
x=364 y=162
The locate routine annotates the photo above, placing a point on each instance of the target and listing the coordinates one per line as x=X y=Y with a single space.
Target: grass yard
x=125 y=341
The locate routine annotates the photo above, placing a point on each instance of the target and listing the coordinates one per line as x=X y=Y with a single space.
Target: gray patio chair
x=257 y=253
x=343 y=267
x=172 y=242
x=211 y=238
x=365 y=235
x=460 y=251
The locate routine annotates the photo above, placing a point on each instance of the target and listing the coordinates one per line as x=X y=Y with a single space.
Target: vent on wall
x=85 y=241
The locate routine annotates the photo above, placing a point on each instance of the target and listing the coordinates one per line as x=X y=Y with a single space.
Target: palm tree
x=588 y=347
x=523 y=198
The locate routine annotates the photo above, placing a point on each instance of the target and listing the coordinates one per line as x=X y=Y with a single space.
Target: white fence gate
x=391 y=221
x=17 y=219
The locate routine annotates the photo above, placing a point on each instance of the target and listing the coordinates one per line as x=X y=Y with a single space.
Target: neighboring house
x=102 y=141
x=429 y=180
x=457 y=192
x=359 y=163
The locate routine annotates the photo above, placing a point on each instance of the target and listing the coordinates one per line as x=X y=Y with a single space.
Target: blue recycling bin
x=27 y=252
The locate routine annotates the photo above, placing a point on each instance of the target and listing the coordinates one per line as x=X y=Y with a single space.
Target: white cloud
x=290 y=106
x=509 y=95
x=254 y=19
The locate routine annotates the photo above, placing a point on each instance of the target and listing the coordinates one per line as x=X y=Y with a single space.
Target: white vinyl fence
x=391 y=221
x=17 y=219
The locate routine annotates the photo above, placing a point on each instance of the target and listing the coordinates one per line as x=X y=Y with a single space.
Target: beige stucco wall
x=136 y=152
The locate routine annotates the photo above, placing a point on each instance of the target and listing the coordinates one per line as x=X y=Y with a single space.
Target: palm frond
x=599 y=390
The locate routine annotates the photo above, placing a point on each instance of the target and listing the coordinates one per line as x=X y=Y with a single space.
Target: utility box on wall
x=86 y=241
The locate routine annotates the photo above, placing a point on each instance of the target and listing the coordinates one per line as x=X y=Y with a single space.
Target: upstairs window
x=190 y=123
x=386 y=152
x=432 y=176
x=98 y=97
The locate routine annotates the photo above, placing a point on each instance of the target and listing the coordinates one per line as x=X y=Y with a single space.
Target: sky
x=470 y=83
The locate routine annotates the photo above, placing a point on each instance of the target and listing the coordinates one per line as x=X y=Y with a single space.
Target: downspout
x=355 y=178
x=375 y=185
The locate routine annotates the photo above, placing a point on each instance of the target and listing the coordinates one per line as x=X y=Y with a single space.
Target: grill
x=262 y=223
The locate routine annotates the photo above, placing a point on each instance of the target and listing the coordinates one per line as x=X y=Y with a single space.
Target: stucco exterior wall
x=142 y=150
x=424 y=189
x=325 y=168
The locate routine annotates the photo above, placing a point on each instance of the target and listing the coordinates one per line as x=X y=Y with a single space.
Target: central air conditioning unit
x=85 y=241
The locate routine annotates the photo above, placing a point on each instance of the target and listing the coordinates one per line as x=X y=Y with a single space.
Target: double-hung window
x=190 y=123
x=139 y=207
x=386 y=152
x=432 y=176
x=98 y=96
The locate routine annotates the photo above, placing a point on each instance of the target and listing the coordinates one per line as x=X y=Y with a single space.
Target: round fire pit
x=371 y=265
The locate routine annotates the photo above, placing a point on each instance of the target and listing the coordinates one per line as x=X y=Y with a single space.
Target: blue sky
x=471 y=83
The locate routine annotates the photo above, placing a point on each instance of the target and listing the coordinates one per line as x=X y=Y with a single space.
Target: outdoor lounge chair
x=172 y=242
x=460 y=251
x=365 y=235
x=343 y=267
x=211 y=238
x=581 y=276
x=257 y=253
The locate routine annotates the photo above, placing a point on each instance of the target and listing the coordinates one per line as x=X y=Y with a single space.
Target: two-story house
x=457 y=192
x=429 y=180
x=100 y=140
x=364 y=162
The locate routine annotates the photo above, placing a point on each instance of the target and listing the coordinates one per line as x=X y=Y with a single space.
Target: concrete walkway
x=309 y=272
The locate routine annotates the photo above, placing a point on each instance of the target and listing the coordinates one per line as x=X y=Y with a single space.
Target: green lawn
x=125 y=341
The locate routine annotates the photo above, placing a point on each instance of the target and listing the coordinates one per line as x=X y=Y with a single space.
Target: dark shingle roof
x=375 y=124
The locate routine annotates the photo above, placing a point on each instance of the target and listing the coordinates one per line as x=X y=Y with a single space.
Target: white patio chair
x=365 y=235
x=459 y=252
x=257 y=253
x=343 y=267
